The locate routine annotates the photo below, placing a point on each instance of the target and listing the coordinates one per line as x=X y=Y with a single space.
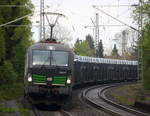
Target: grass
x=123 y=100
x=128 y=94
x=11 y=110
x=12 y=92
x=9 y=92
x=24 y=112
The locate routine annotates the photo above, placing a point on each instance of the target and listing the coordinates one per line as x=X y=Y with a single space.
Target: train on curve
x=52 y=70
x=102 y=70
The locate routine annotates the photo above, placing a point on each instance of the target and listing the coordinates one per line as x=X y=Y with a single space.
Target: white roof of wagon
x=103 y=60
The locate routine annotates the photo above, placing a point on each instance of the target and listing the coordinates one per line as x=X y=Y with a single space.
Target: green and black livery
x=48 y=71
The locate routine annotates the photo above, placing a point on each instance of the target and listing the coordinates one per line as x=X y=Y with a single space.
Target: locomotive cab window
x=41 y=57
x=59 y=58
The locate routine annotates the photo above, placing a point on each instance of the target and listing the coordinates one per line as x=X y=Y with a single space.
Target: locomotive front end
x=49 y=70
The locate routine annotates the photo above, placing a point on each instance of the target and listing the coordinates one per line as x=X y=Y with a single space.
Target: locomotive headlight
x=68 y=81
x=29 y=78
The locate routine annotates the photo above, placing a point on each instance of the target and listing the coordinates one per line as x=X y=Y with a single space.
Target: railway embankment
x=11 y=99
x=13 y=108
x=132 y=95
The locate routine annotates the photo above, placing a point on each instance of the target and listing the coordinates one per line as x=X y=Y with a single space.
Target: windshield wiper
x=43 y=65
x=54 y=61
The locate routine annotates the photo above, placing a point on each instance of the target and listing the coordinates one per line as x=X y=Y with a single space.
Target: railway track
x=95 y=96
x=60 y=112
x=51 y=113
x=39 y=112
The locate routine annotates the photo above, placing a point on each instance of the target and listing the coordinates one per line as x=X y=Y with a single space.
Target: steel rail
x=94 y=104
x=103 y=98
x=41 y=113
x=65 y=113
x=102 y=95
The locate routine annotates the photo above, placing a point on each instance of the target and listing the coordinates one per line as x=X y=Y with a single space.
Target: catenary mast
x=42 y=21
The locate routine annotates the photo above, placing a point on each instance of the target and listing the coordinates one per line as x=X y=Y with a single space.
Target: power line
x=14 y=6
x=15 y=20
x=23 y=25
x=9 y=6
x=116 y=19
x=123 y=5
x=105 y=25
x=19 y=25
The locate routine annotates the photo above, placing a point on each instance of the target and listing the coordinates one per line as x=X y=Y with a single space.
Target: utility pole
x=122 y=22
x=124 y=43
x=97 y=33
x=42 y=21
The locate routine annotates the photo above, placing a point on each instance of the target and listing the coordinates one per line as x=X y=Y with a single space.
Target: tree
x=100 y=50
x=78 y=41
x=83 y=48
x=145 y=40
x=114 y=52
x=2 y=45
x=146 y=56
x=76 y=46
x=14 y=40
x=89 y=39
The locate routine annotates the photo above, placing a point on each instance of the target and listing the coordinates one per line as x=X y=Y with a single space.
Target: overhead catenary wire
x=23 y=25
x=15 y=20
x=122 y=5
x=9 y=6
x=14 y=6
x=115 y=18
x=103 y=25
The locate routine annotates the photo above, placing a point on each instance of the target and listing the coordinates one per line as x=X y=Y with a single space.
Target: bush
x=7 y=73
x=147 y=79
x=10 y=92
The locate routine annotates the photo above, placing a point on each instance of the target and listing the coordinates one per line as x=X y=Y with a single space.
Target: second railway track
x=95 y=96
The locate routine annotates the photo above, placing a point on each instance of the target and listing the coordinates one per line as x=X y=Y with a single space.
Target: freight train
x=52 y=70
x=102 y=70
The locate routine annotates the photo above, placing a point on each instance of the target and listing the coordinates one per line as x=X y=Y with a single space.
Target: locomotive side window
x=41 y=57
x=59 y=58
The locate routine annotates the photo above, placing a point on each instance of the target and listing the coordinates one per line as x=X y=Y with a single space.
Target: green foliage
x=100 y=50
x=146 y=56
x=2 y=46
x=128 y=94
x=11 y=91
x=83 y=48
x=11 y=110
x=145 y=40
x=14 y=40
x=90 y=41
x=7 y=73
x=114 y=52
x=145 y=11
x=19 y=52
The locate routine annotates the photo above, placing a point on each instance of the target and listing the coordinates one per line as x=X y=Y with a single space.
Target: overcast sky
x=80 y=12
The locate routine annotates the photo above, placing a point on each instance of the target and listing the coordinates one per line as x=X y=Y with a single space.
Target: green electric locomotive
x=48 y=72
